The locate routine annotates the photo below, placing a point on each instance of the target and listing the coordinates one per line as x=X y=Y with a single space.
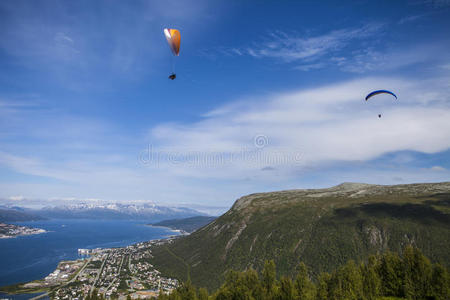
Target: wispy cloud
x=294 y=47
x=370 y=59
x=412 y=18
x=438 y=168
x=354 y=50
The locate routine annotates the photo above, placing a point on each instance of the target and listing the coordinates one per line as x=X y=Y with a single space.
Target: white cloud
x=252 y=145
x=412 y=18
x=438 y=168
x=16 y=198
x=308 y=67
x=294 y=47
x=324 y=124
x=369 y=59
x=355 y=50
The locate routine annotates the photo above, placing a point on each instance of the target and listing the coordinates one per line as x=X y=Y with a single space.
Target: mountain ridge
x=322 y=227
x=111 y=211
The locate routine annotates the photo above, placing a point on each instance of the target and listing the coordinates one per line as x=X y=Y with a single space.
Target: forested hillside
x=409 y=276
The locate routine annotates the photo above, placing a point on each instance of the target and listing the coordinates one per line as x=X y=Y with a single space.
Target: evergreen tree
x=412 y=277
x=391 y=275
x=269 y=279
x=417 y=274
x=304 y=287
x=175 y=295
x=322 y=286
x=286 y=290
x=202 y=294
x=252 y=283
x=440 y=283
x=223 y=294
x=371 y=278
x=187 y=291
x=347 y=283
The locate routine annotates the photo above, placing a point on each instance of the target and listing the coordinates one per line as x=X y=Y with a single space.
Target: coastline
x=179 y=231
x=13 y=231
x=43 y=286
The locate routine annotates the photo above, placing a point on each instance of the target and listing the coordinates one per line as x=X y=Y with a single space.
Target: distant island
x=186 y=225
x=12 y=231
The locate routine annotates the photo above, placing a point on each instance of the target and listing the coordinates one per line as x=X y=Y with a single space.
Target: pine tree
x=391 y=275
x=251 y=281
x=269 y=279
x=371 y=278
x=304 y=287
x=440 y=283
x=286 y=290
x=187 y=291
x=202 y=294
x=322 y=286
x=417 y=274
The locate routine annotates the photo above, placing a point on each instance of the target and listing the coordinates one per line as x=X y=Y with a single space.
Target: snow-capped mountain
x=116 y=211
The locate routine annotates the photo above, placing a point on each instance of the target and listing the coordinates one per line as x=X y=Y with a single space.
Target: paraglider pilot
x=173 y=39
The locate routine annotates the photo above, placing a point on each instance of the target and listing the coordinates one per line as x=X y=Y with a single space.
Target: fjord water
x=33 y=257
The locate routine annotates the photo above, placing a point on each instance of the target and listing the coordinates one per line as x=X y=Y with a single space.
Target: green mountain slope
x=324 y=228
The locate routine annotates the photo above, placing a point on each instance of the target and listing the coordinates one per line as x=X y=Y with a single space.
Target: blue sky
x=268 y=96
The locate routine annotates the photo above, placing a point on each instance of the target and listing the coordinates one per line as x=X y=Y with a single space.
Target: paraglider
x=374 y=93
x=370 y=95
x=173 y=38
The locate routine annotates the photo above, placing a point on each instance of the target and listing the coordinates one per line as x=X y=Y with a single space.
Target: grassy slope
x=323 y=228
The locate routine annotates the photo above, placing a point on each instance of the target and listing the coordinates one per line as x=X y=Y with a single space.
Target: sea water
x=28 y=258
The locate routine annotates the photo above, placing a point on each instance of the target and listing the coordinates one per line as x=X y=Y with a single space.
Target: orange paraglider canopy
x=173 y=39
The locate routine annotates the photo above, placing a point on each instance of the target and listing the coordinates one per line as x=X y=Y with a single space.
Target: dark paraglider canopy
x=374 y=93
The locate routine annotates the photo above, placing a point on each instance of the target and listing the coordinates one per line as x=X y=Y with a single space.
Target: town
x=11 y=231
x=113 y=273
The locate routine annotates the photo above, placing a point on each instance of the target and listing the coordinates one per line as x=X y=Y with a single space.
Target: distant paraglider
x=173 y=39
x=374 y=93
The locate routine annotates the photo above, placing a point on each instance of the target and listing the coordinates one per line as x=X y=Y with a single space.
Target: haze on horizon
x=268 y=96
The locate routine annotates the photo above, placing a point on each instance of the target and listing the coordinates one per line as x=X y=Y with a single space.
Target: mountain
x=16 y=215
x=187 y=224
x=115 y=211
x=324 y=228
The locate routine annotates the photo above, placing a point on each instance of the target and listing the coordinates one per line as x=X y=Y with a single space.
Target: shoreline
x=11 y=231
x=179 y=231
x=20 y=288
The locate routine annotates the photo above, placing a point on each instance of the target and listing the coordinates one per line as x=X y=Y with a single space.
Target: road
x=39 y=297
x=98 y=275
